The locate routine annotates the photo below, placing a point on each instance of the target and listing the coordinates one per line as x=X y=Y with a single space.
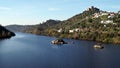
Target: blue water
x=32 y=51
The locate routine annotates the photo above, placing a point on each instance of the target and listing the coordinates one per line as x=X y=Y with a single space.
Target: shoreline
x=45 y=34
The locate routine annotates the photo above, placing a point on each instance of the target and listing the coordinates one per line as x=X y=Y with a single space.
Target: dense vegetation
x=90 y=28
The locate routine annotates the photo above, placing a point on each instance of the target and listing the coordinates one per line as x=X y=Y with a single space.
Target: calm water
x=32 y=51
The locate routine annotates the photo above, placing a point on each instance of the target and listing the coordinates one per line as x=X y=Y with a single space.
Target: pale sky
x=28 y=12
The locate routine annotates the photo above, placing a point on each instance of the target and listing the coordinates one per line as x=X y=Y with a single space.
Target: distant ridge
x=36 y=29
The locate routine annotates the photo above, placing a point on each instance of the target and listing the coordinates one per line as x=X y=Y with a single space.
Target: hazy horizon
x=24 y=12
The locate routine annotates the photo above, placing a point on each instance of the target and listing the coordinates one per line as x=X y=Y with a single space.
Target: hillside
x=93 y=24
x=20 y=28
x=73 y=21
x=4 y=33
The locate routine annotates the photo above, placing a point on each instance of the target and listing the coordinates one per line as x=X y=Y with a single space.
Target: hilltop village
x=92 y=24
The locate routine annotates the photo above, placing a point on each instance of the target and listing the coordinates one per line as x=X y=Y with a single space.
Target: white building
x=60 y=30
x=77 y=29
x=71 y=31
x=96 y=15
x=107 y=21
x=104 y=25
x=111 y=15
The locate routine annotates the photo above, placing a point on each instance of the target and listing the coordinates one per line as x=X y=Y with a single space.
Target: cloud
x=54 y=9
x=5 y=8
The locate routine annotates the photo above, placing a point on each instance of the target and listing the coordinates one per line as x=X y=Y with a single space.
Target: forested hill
x=92 y=24
x=4 y=33
x=73 y=21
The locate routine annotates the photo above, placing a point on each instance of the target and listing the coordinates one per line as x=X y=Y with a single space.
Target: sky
x=30 y=12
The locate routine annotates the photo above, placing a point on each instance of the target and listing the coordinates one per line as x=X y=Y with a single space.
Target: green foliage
x=91 y=28
x=104 y=17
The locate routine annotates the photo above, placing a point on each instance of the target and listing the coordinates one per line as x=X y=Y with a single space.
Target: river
x=33 y=51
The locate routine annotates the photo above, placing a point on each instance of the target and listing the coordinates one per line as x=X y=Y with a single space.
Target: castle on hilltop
x=91 y=8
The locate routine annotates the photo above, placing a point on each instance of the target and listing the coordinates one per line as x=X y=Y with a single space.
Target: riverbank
x=99 y=37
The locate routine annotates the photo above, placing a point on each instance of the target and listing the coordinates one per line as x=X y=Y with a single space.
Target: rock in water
x=58 y=41
x=98 y=46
